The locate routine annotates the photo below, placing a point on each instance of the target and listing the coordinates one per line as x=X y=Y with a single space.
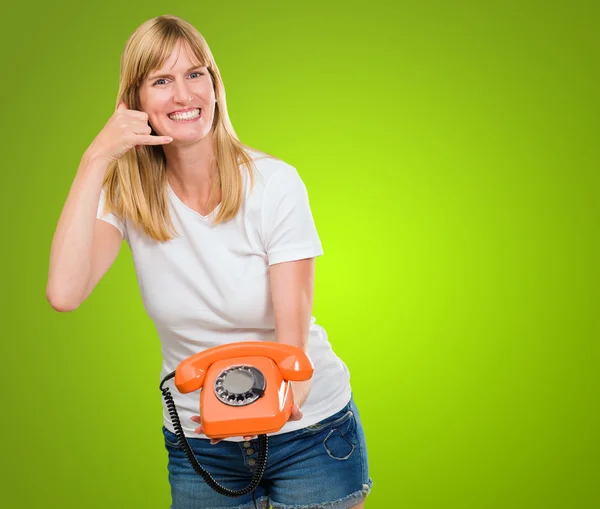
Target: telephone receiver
x=245 y=391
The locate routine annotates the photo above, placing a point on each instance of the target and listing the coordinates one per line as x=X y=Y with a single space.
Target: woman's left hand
x=296 y=415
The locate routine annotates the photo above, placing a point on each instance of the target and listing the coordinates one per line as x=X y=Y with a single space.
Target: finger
x=141 y=115
x=152 y=140
x=197 y=419
x=142 y=129
x=121 y=106
x=296 y=414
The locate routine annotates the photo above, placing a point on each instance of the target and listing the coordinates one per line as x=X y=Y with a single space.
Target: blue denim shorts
x=320 y=466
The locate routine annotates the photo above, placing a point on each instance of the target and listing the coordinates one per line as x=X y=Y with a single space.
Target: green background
x=450 y=150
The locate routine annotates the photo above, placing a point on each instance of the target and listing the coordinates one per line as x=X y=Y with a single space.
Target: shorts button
x=252 y=462
x=246 y=444
x=250 y=452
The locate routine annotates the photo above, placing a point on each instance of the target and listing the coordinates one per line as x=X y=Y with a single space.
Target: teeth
x=188 y=115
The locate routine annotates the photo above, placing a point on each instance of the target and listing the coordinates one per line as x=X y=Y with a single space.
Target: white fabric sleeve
x=109 y=217
x=288 y=228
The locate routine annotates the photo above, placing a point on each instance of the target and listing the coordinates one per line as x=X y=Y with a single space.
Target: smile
x=185 y=116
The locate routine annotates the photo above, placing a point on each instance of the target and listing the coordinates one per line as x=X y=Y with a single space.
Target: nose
x=182 y=93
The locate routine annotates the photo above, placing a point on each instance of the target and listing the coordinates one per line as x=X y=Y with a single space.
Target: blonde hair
x=142 y=196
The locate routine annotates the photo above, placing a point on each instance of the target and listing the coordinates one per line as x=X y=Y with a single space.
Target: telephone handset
x=246 y=390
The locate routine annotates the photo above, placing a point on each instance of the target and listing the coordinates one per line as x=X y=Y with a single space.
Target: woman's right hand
x=125 y=130
x=295 y=415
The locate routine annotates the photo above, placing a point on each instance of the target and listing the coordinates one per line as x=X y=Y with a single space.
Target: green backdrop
x=450 y=150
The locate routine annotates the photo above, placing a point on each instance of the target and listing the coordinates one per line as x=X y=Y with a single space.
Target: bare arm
x=83 y=247
x=292 y=290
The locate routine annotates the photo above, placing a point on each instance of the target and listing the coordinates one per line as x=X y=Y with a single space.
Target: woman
x=223 y=243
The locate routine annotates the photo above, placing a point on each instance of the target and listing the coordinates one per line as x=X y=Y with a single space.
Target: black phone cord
x=261 y=462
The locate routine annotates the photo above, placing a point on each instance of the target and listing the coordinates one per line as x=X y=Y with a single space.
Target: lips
x=189 y=114
x=187 y=110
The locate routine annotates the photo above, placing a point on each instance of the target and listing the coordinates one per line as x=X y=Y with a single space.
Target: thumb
x=296 y=413
x=121 y=106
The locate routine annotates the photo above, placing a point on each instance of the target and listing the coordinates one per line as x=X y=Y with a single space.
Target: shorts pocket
x=171 y=439
x=340 y=445
x=335 y=421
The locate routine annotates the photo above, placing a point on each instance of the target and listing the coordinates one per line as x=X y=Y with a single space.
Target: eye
x=157 y=81
x=198 y=73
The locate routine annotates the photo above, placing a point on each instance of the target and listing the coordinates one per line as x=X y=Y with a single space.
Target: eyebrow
x=156 y=76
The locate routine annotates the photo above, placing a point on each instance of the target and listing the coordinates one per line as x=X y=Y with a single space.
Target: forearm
x=71 y=251
x=292 y=291
x=295 y=332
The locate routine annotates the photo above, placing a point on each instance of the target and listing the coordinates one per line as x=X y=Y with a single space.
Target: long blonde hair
x=142 y=196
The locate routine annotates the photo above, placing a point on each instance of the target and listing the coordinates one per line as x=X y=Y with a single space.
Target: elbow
x=61 y=303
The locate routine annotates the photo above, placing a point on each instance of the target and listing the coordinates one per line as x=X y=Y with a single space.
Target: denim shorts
x=323 y=466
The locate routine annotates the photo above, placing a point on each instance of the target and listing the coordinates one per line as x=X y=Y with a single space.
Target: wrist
x=95 y=159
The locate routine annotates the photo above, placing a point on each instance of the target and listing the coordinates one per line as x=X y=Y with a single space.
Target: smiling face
x=179 y=98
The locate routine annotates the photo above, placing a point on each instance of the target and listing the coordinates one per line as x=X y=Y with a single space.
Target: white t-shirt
x=210 y=285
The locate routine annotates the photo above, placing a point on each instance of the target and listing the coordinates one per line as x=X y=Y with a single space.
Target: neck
x=191 y=168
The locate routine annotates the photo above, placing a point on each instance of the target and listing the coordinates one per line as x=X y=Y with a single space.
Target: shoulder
x=269 y=170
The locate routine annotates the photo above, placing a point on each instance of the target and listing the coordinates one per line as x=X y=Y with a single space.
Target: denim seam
x=367 y=481
x=316 y=429
x=330 y=454
x=354 y=498
x=249 y=505
x=246 y=456
x=362 y=468
x=361 y=456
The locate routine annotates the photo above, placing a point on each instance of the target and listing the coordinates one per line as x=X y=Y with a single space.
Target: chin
x=186 y=140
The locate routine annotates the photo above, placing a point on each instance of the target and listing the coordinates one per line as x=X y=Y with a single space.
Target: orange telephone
x=246 y=390
x=250 y=382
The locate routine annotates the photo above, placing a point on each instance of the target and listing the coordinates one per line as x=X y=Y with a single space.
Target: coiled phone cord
x=261 y=462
